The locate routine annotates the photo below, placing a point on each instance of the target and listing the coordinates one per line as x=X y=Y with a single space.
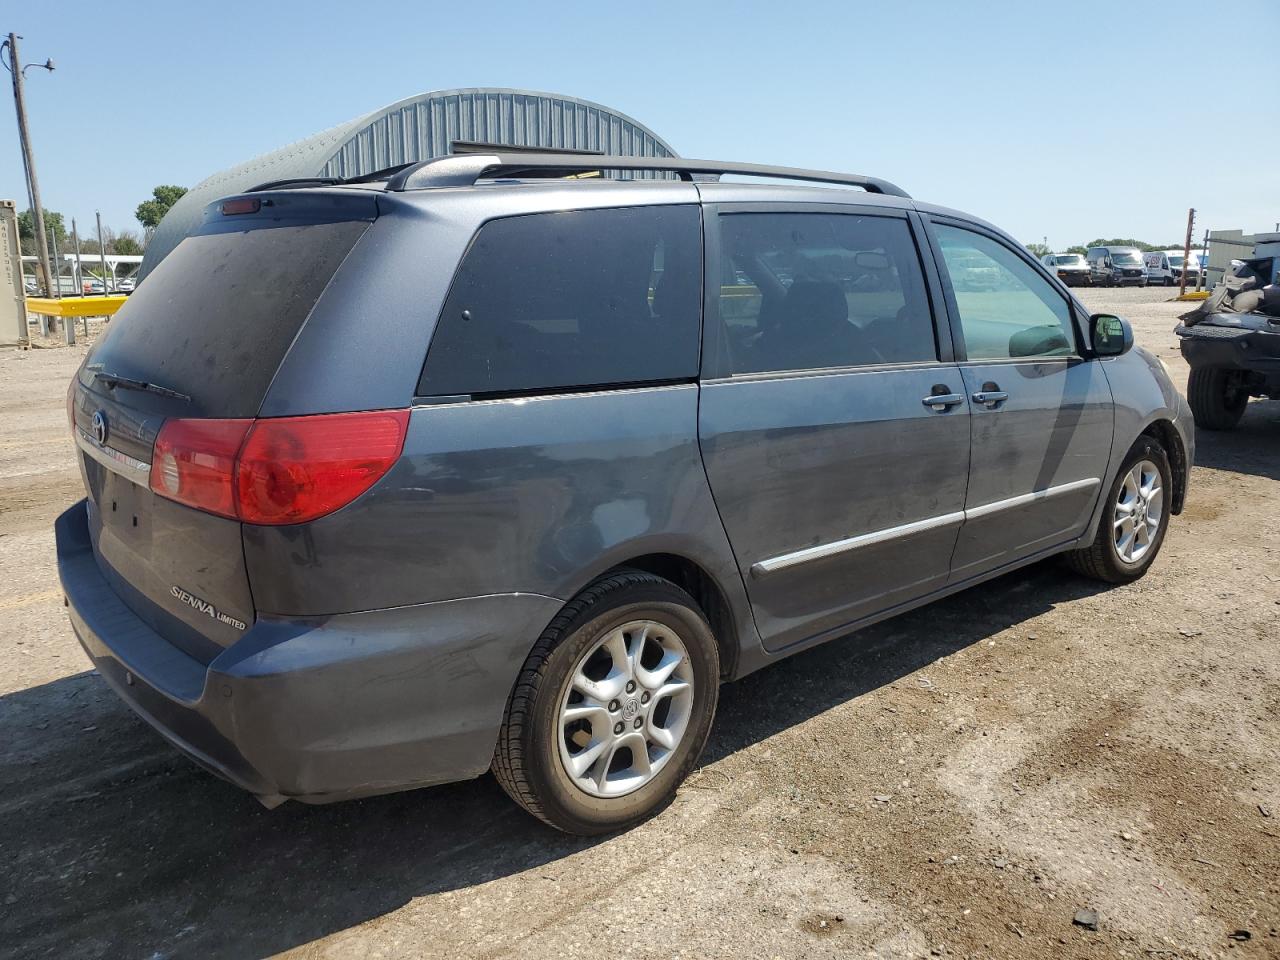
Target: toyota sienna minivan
x=488 y=463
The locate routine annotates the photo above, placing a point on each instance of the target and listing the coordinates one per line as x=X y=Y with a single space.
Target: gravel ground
x=957 y=782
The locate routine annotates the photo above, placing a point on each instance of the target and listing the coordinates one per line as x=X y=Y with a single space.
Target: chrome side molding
x=774 y=564
x=762 y=568
x=1021 y=501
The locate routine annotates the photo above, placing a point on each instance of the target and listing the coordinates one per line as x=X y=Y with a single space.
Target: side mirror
x=1110 y=335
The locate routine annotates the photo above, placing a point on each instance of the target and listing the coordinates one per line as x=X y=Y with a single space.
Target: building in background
x=419 y=128
x=1225 y=246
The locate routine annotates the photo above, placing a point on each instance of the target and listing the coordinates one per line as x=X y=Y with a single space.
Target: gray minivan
x=489 y=463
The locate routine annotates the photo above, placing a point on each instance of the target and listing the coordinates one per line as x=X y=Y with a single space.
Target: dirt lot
x=958 y=782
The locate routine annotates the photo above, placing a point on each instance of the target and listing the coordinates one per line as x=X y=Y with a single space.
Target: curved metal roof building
x=419 y=128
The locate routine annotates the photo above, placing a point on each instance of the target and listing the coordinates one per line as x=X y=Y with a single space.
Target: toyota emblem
x=100 y=427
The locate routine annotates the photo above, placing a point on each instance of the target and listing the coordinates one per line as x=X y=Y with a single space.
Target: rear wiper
x=114 y=380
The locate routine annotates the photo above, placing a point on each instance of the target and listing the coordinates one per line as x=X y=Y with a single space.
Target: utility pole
x=75 y=239
x=79 y=271
x=28 y=157
x=1186 y=250
x=102 y=252
x=68 y=325
x=1203 y=282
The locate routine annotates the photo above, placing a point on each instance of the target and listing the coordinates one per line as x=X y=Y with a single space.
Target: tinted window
x=215 y=318
x=1007 y=309
x=814 y=290
x=584 y=298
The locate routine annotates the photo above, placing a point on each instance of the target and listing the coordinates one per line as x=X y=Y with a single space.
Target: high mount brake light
x=244 y=205
x=276 y=471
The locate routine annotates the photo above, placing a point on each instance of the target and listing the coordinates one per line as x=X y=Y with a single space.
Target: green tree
x=1039 y=249
x=151 y=212
x=1078 y=249
x=53 y=225
x=125 y=243
x=1141 y=245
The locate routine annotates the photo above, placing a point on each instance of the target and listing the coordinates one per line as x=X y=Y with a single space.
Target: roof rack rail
x=295 y=182
x=465 y=170
x=290 y=182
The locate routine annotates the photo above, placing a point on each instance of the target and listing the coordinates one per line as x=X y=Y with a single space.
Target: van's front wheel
x=612 y=707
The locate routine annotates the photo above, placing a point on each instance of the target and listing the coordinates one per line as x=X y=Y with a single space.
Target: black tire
x=527 y=759
x=1216 y=398
x=1101 y=560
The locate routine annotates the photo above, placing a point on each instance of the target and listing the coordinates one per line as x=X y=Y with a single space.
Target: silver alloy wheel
x=1138 y=511
x=626 y=707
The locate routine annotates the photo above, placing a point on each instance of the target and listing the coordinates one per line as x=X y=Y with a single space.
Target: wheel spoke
x=601 y=691
x=580 y=763
x=601 y=775
x=639 y=745
x=1125 y=547
x=661 y=736
x=655 y=678
x=1155 y=502
x=593 y=713
x=616 y=646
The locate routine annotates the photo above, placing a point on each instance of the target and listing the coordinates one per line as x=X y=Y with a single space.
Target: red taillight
x=194 y=462
x=277 y=471
x=295 y=469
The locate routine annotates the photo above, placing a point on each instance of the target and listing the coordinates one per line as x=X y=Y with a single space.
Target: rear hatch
x=202 y=337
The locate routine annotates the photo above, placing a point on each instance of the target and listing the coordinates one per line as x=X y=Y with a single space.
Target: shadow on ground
x=1253 y=447
x=114 y=846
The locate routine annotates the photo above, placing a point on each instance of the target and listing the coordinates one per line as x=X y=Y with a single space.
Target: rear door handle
x=990 y=398
x=942 y=401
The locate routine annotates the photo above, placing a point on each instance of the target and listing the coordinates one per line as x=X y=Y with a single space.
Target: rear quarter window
x=570 y=300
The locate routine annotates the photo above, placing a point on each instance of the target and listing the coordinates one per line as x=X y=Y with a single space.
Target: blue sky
x=1057 y=119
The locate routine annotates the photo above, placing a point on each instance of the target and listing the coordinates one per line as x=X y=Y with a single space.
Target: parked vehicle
x=1116 y=266
x=554 y=505
x=1232 y=340
x=1071 y=268
x=1165 y=267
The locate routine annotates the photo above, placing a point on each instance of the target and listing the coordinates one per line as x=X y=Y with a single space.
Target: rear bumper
x=341 y=706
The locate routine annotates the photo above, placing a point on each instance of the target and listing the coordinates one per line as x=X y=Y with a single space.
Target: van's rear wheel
x=1217 y=397
x=612 y=708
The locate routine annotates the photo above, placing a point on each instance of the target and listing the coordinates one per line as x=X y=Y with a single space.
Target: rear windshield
x=217 y=315
x=555 y=301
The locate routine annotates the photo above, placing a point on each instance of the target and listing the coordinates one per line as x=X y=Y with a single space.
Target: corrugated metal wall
x=420 y=129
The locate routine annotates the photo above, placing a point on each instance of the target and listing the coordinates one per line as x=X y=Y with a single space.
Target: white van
x=1165 y=266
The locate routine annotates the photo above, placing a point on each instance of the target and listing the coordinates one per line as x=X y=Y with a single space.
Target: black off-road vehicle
x=1232 y=342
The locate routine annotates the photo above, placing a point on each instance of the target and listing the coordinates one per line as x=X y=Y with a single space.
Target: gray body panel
x=318 y=709
x=802 y=461
x=383 y=640
x=529 y=495
x=1052 y=436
